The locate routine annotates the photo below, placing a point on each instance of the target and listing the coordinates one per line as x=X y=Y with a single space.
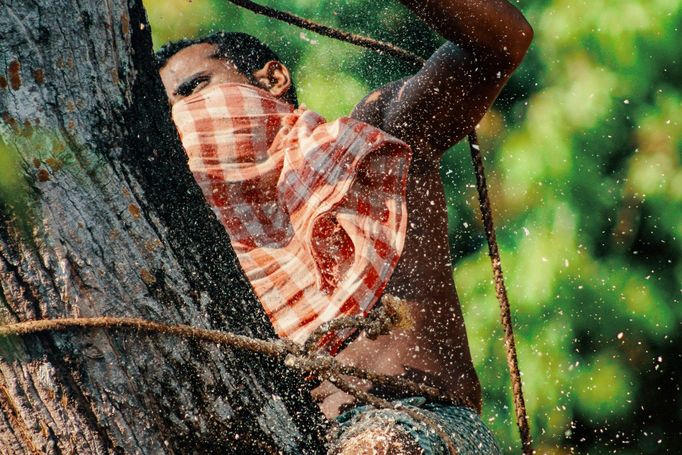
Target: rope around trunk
x=292 y=355
x=484 y=200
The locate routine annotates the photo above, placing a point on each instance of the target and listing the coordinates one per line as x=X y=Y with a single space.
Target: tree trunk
x=106 y=220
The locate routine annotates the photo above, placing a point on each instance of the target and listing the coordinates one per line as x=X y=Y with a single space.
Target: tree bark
x=107 y=220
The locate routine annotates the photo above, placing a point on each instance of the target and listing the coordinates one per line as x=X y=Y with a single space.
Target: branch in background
x=358 y=40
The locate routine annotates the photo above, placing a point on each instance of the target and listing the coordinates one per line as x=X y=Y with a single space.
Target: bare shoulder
x=435 y=108
x=372 y=107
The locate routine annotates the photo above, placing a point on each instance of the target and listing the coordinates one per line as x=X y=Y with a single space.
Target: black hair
x=246 y=52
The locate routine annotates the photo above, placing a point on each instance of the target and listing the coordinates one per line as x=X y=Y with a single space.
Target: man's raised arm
x=439 y=105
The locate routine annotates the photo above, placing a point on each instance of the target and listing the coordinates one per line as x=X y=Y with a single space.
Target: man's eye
x=188 y=88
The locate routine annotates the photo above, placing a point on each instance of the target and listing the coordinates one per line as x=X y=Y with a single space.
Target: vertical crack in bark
x=64 y=367
x=72 y=388
x=14 y=277
x=13 y=414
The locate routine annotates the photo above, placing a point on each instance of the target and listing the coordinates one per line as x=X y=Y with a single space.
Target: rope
x=294 y=357
x=484 y=200
x=391 y=314
x=330 y=32
x=501 y=291
x=269 y=348
x=291 y=354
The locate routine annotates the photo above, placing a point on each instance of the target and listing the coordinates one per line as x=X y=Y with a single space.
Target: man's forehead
x=184 y=63
x=191 y=55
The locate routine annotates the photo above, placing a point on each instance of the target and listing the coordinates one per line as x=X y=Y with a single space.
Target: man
x=430 y=111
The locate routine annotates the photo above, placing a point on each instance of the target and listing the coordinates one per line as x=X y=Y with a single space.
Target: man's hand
x=445 y=100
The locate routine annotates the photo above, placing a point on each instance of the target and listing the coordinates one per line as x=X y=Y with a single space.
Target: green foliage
x=9 y=172
x=13 y=194
x=31 y=155
x=583 y=155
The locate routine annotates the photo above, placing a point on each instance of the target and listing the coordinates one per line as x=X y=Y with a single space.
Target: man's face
x=195 y=68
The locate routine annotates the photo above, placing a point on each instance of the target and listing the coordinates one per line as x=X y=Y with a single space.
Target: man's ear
x=274 y=77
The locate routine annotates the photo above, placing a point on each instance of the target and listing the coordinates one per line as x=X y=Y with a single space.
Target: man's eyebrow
x=187 y=83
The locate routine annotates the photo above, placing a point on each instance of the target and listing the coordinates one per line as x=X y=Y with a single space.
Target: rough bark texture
x=118 y=227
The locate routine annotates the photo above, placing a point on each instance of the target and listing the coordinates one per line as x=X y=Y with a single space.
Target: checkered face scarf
x=315 y=211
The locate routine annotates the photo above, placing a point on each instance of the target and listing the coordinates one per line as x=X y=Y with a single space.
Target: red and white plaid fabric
x=315 y=211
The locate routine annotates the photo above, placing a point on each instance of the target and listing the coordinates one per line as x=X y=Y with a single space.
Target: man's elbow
x=519 y=39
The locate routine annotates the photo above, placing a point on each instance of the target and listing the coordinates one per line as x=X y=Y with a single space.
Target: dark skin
x=431 y=111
